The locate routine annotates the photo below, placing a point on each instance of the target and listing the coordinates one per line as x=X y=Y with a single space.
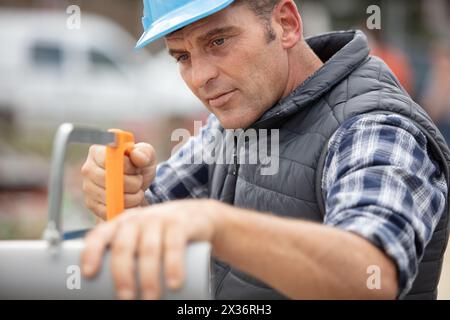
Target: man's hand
x=140 y=170
x=151 y=233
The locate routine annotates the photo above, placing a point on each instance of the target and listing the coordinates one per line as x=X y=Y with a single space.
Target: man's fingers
x=134 y=200
x=174 y=251
x=148 y=175
x=96 y=176
x=129 y=167
x=134 y=176
x=143 y=155
x=133 y=184
x=96 y=196
x=94 y=192
x=98 y=154
x=92 y=171
x=95 y=244
x=98 y=208
x=124 y=248
x=150 y=261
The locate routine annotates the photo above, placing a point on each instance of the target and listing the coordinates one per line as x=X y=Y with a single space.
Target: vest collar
x=342 y=52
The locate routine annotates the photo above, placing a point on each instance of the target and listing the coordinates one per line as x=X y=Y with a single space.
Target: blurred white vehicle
x=50 y=74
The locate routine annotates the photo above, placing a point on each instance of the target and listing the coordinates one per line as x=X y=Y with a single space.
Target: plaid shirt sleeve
x=380 y=182
x=183 y=176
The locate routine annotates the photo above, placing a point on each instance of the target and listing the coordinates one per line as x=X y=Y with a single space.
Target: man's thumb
x=143 y=155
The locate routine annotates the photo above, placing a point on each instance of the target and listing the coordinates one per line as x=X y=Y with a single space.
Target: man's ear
x=288 y=18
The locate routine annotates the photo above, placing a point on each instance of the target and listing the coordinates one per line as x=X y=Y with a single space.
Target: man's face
x=228 y=63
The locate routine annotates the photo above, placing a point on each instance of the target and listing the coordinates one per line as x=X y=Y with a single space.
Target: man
x=361 y=183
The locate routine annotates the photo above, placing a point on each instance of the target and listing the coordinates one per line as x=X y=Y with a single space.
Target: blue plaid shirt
x=379 y=182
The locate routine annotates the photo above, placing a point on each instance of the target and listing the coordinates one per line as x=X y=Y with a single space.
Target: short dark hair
x=263 y=9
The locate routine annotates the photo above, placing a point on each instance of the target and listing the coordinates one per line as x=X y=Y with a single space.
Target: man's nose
x=202 y=72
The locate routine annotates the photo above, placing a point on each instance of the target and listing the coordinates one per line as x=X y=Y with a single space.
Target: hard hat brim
x=177 y=19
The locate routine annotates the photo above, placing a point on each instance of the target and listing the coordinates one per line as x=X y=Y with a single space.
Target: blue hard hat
x=162 y=17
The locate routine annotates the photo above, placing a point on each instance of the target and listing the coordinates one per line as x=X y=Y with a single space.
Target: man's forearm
x=302 y=260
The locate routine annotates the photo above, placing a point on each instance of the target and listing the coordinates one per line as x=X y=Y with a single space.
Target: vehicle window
x=47 y=55
x=99 y=60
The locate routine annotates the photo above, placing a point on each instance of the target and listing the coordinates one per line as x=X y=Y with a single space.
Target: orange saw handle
x=114 y=164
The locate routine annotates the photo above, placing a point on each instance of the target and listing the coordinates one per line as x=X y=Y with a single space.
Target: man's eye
x=218 y=42
x=182 y=58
